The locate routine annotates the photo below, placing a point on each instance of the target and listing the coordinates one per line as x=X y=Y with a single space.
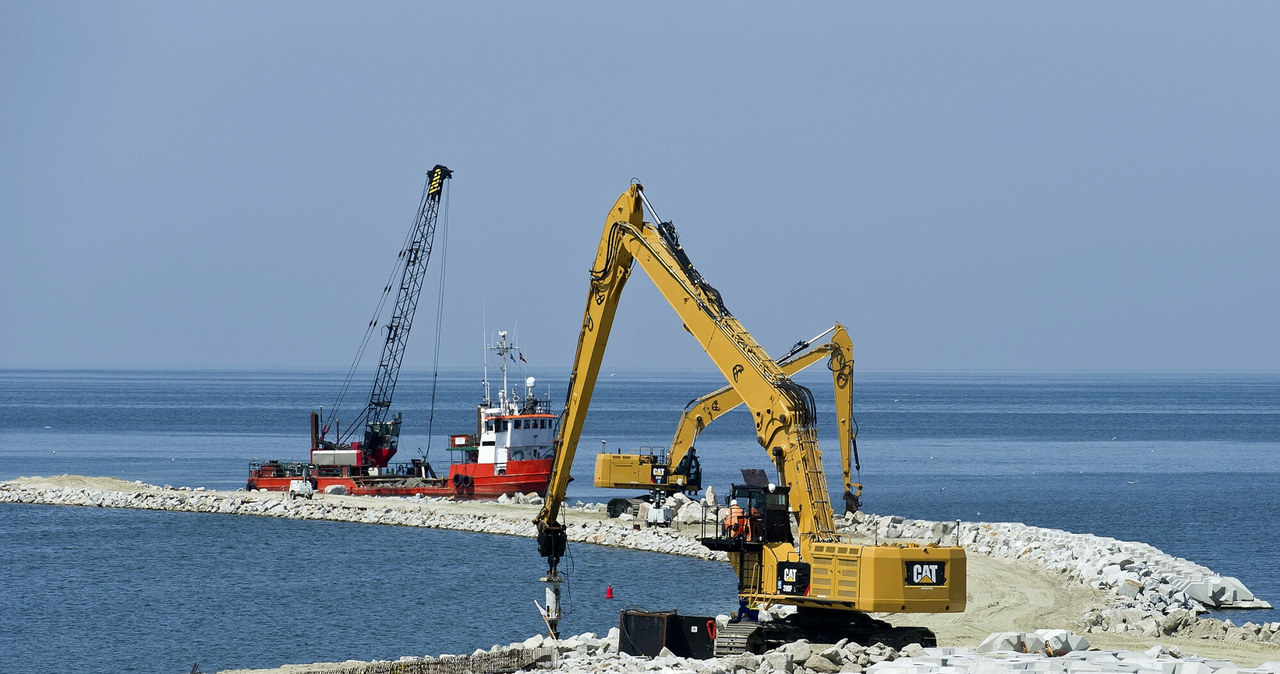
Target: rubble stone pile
x=413 y=512
x=1044 y=651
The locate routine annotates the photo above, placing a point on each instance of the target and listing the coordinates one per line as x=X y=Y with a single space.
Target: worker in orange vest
x=735 y=521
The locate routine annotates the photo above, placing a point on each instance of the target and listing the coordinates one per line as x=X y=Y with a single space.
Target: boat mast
x=502 y=349
x=484 y=377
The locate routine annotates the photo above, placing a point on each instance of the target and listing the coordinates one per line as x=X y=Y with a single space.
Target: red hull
x=464 y=481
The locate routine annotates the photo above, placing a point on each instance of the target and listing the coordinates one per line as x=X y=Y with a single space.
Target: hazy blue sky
x=964 y=185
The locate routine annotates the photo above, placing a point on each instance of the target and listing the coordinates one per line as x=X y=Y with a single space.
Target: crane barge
x=509 y=452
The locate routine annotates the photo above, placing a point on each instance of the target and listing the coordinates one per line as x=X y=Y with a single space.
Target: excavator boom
x=782 y=410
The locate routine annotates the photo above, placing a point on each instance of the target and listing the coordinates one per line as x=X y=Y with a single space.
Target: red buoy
x=608 y=592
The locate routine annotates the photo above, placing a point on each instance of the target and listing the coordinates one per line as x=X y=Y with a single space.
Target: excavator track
x=738 y=638
x=820 y=627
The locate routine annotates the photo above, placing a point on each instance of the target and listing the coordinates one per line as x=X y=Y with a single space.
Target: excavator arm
x=782 y=410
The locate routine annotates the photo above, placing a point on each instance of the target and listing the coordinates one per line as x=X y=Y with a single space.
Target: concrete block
x=1001 y=641
x=1056 y=641
x=1200 y=589
x=1032 y=643
x=990 y=667
x=1234 y=589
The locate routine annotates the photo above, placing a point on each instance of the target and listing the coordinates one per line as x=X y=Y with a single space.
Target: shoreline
x=1119 y=595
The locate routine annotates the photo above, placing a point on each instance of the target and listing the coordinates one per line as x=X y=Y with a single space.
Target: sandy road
x=1014 y=596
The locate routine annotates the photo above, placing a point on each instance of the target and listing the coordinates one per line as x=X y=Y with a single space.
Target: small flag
x=522 y=360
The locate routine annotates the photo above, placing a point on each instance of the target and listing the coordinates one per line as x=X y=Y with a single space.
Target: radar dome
x=530 y=382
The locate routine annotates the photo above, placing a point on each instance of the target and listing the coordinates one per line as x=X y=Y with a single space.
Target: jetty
x=1137 y=604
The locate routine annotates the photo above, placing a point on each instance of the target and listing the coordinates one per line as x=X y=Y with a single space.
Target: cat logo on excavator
x=926 y=573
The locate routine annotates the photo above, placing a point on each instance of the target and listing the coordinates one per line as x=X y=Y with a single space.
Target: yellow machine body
x=799 y=538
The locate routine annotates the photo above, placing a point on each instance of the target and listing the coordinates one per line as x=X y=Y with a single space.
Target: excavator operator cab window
x=766 y=513
x=777 y=515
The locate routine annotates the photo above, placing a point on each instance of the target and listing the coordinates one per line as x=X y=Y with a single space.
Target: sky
x=965 y=186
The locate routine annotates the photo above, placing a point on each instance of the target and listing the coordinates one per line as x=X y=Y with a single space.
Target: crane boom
x=414 y=258
x=381 y=436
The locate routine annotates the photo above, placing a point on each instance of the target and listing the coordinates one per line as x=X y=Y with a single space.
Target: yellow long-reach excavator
x=680 y=469
x=832 y=581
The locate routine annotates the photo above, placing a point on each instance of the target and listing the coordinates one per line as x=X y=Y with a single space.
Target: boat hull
x=464 y=481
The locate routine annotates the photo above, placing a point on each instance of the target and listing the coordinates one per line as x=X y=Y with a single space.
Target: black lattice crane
x=381 y=434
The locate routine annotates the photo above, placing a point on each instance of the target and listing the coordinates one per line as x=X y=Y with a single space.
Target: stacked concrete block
x=1055 y=642
x=1139 y=574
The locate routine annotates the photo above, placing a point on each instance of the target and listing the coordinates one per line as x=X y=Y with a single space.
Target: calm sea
x=1187 y=462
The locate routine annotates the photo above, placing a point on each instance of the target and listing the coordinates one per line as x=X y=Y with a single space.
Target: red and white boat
x=510 y=452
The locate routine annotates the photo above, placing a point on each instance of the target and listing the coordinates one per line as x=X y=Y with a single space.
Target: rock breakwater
x=1046 y=651
x=1150 y=593
x=587 y=523
x=1146 y=592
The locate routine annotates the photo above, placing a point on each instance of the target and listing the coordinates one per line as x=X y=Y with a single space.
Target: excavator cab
x=752 y=516
x=381 y=440
x=691 y=468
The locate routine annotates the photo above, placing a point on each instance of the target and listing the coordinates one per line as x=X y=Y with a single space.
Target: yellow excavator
x=680 y=470
x=832 y=582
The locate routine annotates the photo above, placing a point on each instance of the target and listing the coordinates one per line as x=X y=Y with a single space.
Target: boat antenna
x=484 y=349
x=502 y=350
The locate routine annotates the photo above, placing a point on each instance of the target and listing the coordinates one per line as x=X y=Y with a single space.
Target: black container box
x=647 y=632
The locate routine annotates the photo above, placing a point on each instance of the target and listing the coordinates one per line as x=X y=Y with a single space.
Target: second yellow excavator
x=680 y=469
x=783 y=545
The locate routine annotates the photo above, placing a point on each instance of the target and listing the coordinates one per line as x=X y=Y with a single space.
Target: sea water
x=1187 y=462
